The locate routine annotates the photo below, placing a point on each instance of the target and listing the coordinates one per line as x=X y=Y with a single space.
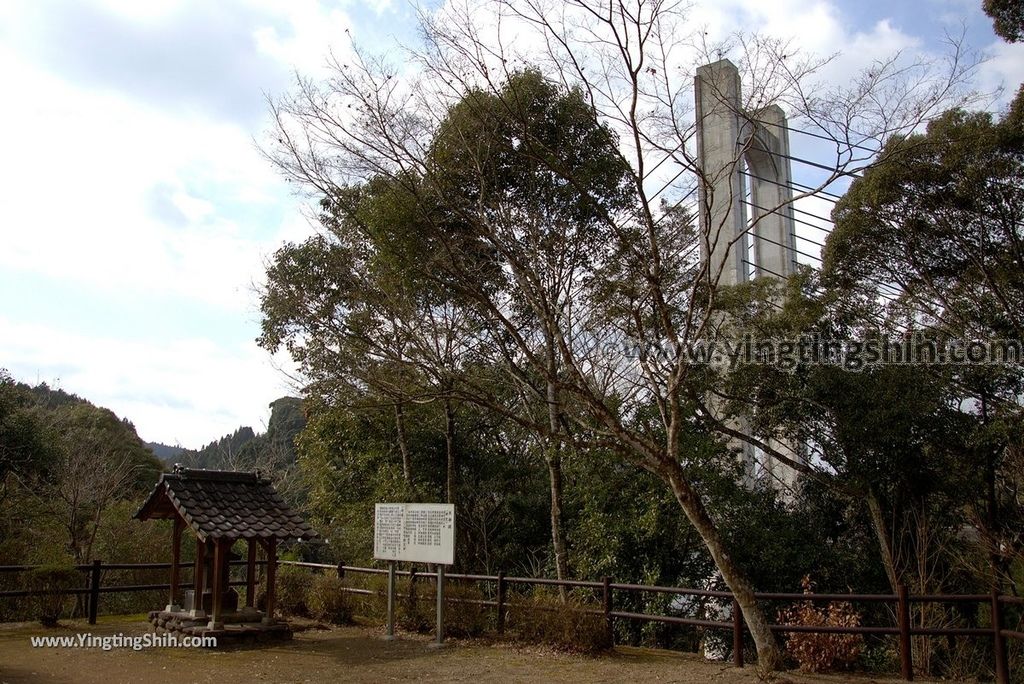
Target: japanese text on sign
x=421 y=533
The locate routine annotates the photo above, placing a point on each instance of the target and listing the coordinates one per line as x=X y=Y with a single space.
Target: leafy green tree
x=26 y=451
x=1007 y=18
x=942 y=225
x=933 y=243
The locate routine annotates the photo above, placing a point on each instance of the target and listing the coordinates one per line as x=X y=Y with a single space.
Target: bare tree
x=87 y=478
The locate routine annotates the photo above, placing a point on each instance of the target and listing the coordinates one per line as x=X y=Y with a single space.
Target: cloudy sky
x=136 y=213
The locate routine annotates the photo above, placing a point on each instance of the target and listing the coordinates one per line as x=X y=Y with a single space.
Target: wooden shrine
x=221 y=508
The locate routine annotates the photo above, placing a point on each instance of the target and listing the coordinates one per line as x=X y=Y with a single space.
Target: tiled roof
x=220 y=504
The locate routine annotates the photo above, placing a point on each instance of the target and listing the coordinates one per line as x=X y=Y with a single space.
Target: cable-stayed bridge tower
x=746 y=216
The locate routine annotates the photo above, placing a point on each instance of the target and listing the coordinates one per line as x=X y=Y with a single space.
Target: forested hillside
x=165 y=452
x=70 y=473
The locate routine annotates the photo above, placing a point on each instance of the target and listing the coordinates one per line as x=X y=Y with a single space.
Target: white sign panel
x=421 y=533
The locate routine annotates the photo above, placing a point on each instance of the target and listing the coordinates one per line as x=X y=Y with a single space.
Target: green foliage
x=53 y=582
x=273 y=453
x=328 y=601
x=293 y=589
x=245 y=450
x=464 y=616
x=626 y=523
x=942 y=218
x=350 y=459
x=1007 y=18
x=63 y=461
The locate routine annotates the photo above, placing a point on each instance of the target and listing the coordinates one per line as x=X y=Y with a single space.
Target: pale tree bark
x=769 y=657
x=553 y=458
x=884 y=538
x=403 y=444
x=449 y=444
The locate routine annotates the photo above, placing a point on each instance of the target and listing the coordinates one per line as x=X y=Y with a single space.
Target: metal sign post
x=439 y=640
x=391 y=602
x=419 y=533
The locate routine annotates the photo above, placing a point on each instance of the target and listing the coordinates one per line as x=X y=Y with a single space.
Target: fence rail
x=93 y=576
x=900 y=602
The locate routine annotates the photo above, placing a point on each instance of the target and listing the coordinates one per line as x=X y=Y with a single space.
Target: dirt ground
x=349 y=654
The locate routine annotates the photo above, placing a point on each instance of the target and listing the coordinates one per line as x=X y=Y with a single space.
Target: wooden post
x=198 y=579
x=268 y=618
x=906 y=648
x=341 y=569
x=501 y=601
x=737 y=634
x=999 y=647
x=606 y=603
x=250 y=576
x=219 y=558
x=174 y=603
x=94 y=590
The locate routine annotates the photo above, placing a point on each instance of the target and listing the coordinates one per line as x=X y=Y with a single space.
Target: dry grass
x=351 y=654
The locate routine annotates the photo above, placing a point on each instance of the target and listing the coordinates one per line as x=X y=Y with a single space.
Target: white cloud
x=185 y=390
x=1004 y=69
x=312 y=32
x=119 y=191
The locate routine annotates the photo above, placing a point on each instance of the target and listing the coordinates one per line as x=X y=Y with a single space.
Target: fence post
x=737 y=634
x=94 y=590
x=501 y=601
x=999 y=647
x=341 y=569
x=606 y=601
x=906 y=648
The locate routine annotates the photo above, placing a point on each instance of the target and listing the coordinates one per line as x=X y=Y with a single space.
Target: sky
x=137 y=214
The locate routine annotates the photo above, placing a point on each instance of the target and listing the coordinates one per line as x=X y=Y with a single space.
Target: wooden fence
x=900 y=603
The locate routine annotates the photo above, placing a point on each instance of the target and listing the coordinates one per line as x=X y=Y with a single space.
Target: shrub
x=542 y=618
x=464 y=615
x=55 y=581
x=822 y=652
x=293 y=585
x=416 y=607
x=327 y=600
x=414 y=604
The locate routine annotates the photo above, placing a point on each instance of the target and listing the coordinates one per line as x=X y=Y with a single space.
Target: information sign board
x=420 y=533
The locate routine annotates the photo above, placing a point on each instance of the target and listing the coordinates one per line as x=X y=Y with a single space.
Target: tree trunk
x=768 y=654
x=449 y=441
x=403 y=444
x=554 y=461
x=553 y=458
x=884 y=540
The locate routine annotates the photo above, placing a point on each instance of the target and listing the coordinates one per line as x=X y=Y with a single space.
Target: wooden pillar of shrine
x=199 y=586
x=271 y=547
x=250 y=576
x=174 y=604
x=220 y=554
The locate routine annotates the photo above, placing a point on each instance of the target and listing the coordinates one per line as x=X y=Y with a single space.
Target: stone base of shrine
x=242 y=627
